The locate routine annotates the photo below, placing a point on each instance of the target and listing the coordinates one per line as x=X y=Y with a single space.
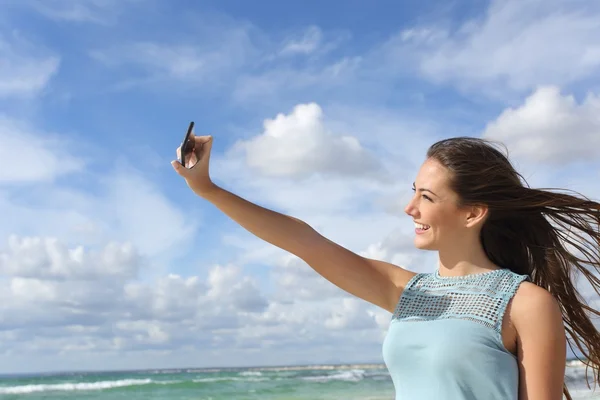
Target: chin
x=424 y=245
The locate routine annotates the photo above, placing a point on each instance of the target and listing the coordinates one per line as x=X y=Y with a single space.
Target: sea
x=316 y=382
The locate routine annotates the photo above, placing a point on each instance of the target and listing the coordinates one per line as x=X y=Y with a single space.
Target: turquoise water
x=291 y=383
x=349 y=382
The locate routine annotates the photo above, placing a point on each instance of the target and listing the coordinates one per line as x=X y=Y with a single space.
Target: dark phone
x=186 y=146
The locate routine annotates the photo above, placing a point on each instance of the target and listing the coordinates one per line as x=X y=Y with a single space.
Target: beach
x=318 y=382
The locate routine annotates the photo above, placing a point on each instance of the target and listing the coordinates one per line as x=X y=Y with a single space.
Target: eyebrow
x=424 y=190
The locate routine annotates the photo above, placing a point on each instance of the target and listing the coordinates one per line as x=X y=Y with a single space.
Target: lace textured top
x=444 y=341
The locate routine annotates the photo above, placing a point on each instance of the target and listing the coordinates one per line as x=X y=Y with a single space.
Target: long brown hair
x=549 y=234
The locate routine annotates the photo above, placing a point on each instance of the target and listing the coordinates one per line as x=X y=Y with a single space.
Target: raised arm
x=377 y=282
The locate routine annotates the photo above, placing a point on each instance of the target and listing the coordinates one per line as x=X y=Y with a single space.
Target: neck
x=464 y=260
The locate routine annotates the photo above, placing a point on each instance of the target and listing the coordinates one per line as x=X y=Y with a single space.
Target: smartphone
x=186 y=145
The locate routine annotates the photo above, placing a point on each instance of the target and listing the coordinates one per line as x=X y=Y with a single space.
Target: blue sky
x=322 y=110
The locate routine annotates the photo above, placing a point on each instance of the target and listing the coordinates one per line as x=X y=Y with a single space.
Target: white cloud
x=126 y=207
x=151 y=330
x=398 y=248
x=56 y=293
x=299 y=145
x=550 y=128
x=297 y=281
x=25 y=69
x=48 y=258
x=309 y=42
x=169 y=298
x=29 y=156
x=64 y=301
x=46 y=284
x=228 y=286
x=350 y=315
x=515 y=46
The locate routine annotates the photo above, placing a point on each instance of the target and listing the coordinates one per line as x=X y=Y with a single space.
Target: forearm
x=283 y=231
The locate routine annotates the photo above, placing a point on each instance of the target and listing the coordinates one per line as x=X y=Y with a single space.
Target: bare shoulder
x=534 y=308
x=531 y=298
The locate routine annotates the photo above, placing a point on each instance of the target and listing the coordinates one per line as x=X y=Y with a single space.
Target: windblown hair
x=552 y=235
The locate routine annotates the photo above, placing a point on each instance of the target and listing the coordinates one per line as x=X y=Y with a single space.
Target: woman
x=491 y=322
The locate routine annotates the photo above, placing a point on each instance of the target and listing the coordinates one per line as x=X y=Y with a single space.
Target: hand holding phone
x=193 y=161
x=188 y=157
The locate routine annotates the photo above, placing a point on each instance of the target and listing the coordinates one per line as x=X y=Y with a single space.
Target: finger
x=201 y=140
x=180 y=169
x=189 y=144
x=203 y=146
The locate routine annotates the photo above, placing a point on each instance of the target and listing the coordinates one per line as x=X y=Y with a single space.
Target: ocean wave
x=251 y=373
x=578 y=377
x=70 y=387
x=353 y=375
x=584 y=394
x=230 y=378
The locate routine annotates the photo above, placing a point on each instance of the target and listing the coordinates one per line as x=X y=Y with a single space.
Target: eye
x=423 y=195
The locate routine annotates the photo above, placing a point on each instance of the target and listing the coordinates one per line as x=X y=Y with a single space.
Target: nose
x=411 y=208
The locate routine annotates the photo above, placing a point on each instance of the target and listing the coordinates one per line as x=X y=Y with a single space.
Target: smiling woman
x=490 y=322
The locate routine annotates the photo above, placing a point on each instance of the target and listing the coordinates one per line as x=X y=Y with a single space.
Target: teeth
x=421 y=226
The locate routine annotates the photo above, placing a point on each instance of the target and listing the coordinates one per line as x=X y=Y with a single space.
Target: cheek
x=450 y=226
x=446 y=222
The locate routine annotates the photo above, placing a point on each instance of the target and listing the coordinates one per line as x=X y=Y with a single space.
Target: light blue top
x=444 y=341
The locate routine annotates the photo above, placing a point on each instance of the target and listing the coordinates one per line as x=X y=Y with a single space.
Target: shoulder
x=534 y=309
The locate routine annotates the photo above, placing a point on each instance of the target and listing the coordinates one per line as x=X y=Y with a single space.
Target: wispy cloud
x=175 y=61
x=93 y=11
x=29 y=156
x=307 y=44
x=516 y=46
x=283 y=80
x=25 y=69
x=210 y=60
x=236 y=57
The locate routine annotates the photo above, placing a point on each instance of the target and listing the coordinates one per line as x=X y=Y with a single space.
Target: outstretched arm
x=377 y=282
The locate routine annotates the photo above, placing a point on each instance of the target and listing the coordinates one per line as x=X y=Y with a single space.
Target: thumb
x=180 y=169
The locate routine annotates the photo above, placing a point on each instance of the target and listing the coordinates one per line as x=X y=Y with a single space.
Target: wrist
x=208 y=191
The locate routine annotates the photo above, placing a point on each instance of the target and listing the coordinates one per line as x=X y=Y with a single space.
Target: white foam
x=230 y=378
x=70 y=387
x=353 y=375
x=584 y=394
x=251 y=373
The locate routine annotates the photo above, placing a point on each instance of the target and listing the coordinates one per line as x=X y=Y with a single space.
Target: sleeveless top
x=444 y=341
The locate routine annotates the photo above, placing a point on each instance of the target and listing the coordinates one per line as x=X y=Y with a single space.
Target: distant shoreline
x=297 y=367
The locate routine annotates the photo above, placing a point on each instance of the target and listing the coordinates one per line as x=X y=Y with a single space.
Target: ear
x=476 y=215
